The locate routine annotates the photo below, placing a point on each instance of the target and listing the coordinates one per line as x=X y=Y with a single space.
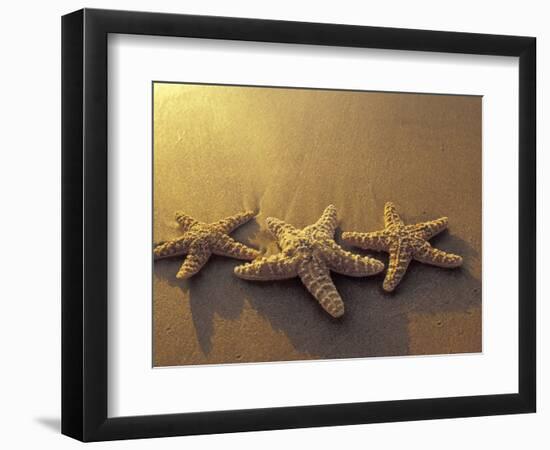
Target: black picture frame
x=84 y=224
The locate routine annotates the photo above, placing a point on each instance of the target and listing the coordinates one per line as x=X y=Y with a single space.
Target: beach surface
x=289 y=153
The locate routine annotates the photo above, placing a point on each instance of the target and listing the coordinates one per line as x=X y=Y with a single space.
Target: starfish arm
x=327 y=223
x=175 y=247
x=391 y=217
x=230 y=223
x=278 y=228
x=275 y=267
x=185 y=221
x=427 y=230
x=316 y=279
x=347 y=263
x=399 y=260
x=430 y=255
x=376 y=240
x=227 y=246
x=195 y=260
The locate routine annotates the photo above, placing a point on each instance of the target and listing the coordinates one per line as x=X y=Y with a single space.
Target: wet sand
x=289 y=153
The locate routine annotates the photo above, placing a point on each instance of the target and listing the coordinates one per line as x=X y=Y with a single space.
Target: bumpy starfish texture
x=309 y=254
x=404 y=243
x=200 y=240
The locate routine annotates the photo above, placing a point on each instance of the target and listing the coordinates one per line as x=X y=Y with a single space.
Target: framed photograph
x=273 y=224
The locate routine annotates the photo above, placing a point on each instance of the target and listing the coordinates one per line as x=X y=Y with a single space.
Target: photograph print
x=294 y=224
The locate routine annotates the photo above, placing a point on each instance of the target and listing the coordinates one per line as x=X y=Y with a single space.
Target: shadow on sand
x=375 y=323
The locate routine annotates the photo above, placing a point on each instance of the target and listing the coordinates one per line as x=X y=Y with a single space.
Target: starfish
x=404 y=243
x=309 y=254
x=200 y=240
